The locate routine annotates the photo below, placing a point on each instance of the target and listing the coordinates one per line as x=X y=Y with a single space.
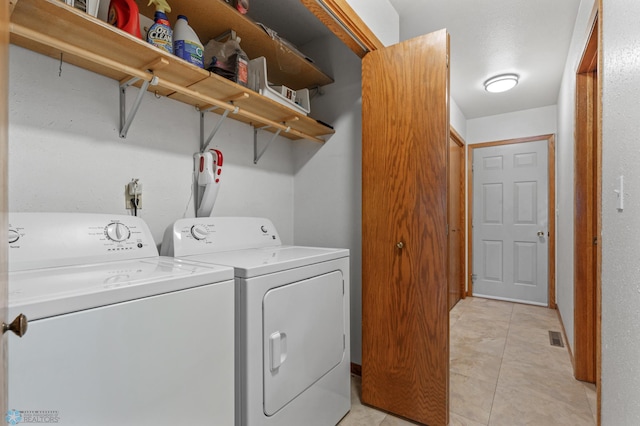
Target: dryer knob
x=117 y=232
x=199 y=232
x=13 y=236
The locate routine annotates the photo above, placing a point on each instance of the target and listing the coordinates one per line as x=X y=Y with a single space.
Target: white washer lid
x=254 y=262
x=47 y=292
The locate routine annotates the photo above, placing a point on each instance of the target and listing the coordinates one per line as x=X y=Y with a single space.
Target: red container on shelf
x=125 y=15
x=241 y=5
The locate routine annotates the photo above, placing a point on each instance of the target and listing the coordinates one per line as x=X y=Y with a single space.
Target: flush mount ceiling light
x=501 y=83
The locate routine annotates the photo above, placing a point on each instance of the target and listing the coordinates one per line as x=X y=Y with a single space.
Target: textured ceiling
x=488 y=37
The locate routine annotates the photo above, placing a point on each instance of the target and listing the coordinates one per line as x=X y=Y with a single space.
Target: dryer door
x=303 y=336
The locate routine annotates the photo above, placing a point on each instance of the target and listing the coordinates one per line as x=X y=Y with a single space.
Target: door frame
x=455 y=136
x=587 y=212
x=550 y=138
x=4 y=129
x=346 y=24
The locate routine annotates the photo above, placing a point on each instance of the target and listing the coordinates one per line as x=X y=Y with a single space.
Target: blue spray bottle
x=160 y=34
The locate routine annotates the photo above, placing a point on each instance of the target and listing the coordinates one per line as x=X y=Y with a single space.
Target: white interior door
x=510 y=222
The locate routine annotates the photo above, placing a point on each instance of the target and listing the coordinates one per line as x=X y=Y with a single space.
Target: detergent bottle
x=124 y=14
x=186 y=44
x=160 y=33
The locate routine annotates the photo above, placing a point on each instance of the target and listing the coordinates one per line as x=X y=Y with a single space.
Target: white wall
x=65 y=153
x=457 y=119
x=328 y=180
x=565 y=170
x=620 y=229
x=530 y=122
x=381 y=17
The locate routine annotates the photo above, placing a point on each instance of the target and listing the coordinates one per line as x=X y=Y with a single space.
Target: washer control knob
x=13 y=236
x=117 y=232
x=264 y=229
x=199 y=232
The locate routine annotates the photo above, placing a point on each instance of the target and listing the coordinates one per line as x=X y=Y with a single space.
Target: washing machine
x=292 y=319
x=117 y=335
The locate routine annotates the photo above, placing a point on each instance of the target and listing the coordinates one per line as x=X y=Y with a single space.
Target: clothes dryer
x=117 y=335
x=292 y=319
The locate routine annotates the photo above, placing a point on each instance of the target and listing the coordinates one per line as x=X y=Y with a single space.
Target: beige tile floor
x=503 y=371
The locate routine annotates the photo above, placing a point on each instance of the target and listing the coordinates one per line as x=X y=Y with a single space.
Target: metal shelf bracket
x=126 y=120
x=204 y=143
x=257 y=155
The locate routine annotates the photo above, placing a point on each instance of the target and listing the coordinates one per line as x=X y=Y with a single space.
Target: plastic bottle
x=160 y=33
x=186 y=44
x=125 y=15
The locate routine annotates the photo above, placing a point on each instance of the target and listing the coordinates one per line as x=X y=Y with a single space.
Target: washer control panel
x=65 y=239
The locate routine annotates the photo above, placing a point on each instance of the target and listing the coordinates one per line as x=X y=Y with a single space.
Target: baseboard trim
x=564 y=333
x=507 y=299
x=356 y=369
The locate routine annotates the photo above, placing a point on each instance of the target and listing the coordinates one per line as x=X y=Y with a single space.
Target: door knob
x=540 y=233
x=18 y=326
x=400 y=245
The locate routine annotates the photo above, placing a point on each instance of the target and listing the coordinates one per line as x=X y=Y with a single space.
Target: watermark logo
x=13 y=417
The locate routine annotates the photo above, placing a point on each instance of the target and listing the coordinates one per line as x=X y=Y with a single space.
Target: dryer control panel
x=40 y=240
x=213 y=234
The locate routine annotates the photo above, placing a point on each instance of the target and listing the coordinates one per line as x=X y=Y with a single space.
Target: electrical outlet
x=135 y=187
x=129 y=202
x=128 y=199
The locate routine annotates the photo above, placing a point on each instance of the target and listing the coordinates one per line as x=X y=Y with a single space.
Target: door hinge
x=447 y=229
x=595 y=241
x=474 y=277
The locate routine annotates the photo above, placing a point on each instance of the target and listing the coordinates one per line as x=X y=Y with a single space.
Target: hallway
x=503 y=371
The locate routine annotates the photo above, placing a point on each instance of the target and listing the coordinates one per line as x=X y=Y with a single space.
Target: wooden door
x=456 y=220
x=405 y=321
x=4 y=124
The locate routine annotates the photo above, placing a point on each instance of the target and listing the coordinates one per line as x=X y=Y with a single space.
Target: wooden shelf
x=52 y=28
x=211 y=18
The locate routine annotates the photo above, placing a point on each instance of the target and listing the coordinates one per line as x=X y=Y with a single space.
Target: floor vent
x=555 y=338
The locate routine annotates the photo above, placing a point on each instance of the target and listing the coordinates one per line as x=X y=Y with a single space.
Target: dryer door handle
x=278 y=349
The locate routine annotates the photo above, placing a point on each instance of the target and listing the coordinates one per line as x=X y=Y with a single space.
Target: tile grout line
x=495 y=391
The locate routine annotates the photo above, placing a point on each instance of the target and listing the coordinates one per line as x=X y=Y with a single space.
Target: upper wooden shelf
x=52 y=28
x=211 y=18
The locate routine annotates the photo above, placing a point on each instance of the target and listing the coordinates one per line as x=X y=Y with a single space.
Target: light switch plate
x=620 y=193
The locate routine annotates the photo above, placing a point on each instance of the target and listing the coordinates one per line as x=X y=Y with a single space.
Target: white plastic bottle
x=186 y=43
